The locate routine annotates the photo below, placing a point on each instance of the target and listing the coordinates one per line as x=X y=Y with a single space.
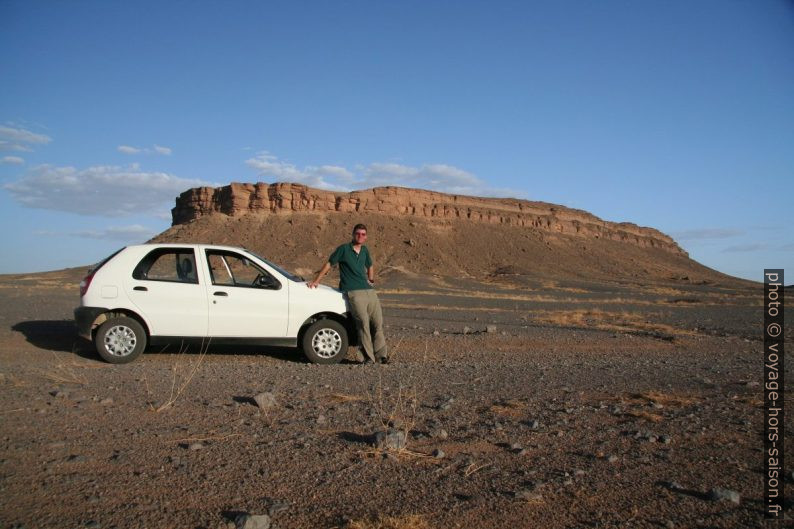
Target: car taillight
x=85 y=283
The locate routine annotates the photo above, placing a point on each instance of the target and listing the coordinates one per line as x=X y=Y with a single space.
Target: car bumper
x=84 y=318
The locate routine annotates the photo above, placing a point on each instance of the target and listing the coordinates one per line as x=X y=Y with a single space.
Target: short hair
x=359 y=227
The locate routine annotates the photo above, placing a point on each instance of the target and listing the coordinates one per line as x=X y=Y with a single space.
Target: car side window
x=234 y=270
x=168 y=264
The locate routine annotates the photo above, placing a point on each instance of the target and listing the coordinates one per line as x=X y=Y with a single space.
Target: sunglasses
x=360 y=233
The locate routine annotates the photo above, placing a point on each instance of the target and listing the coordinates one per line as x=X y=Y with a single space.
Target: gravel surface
x=564 y=405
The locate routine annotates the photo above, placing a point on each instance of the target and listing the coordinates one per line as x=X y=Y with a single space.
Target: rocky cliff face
x=274 y=199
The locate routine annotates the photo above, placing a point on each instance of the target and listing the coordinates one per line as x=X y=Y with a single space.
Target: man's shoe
x=384 y=360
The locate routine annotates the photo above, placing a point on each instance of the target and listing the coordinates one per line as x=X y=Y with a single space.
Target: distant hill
x=414 y=231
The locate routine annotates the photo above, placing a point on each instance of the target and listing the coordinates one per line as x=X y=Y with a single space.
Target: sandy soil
x=589 y=405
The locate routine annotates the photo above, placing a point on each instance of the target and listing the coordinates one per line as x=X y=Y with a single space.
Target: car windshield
x=288 y=275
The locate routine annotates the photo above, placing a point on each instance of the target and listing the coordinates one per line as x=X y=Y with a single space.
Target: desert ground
x=525 y=403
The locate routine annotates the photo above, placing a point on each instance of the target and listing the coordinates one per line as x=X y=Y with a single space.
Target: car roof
x=186 y=245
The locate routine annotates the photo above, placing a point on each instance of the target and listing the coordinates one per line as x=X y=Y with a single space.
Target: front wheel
x=120 y=339
x=325 y=342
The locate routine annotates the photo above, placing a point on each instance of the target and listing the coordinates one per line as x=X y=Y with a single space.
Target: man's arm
x=324 y=270
x=371 y=274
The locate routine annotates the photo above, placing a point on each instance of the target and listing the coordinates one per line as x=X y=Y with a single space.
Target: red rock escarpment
x=268 y=199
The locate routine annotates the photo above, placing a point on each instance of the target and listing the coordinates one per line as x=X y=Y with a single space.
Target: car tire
x=120 y=340
x=325 y=342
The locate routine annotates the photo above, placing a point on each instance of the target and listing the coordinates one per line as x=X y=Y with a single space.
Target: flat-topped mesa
x=261 y=198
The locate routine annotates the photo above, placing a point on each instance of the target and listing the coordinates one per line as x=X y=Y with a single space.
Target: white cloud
x=12 y=160
x=132 y=234
x=156 y=149
x=126 y=149
x=102 y=190
x=706 y=234
x=17 y=139
x=749 y=247
x=268 y=165
x=437 y=177
x=9 y=146
x=18 y=135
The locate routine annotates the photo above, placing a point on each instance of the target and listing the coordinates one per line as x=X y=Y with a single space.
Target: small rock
x=92 y=524
x=436 y=333
x=106 y=401
x=490 y=328
x=534 y=425
x=265 y=400
x=466 y=330
x=666 y=439
x=669 y=524
x=515 y=447
x=58 y=394
x=439 y=433
x=674 y=485
x=438 y=453
x=252 y=521
x=195 y=446
x=278 y=507
x=321 y=419
x=612 y=459
x=720 y=494
x=390 y=439
x=527 y=495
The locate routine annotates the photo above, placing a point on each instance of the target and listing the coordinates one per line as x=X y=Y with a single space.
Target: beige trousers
x=366 y=311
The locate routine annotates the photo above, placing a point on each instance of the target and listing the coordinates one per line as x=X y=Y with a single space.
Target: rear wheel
x=120 y=339
x=325 y=342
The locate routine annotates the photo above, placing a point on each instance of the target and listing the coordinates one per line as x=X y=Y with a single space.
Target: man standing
x=357 y=280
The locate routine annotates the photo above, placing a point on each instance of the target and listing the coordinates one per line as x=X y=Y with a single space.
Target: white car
x=153 y=293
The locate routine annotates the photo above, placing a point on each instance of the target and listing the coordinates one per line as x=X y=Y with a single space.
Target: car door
x=166 y=288
x=245 y=299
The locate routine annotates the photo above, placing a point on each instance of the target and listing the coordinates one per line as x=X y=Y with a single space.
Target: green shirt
x=352 y=267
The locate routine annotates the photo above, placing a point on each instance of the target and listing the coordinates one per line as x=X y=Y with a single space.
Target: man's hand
x=320 y=274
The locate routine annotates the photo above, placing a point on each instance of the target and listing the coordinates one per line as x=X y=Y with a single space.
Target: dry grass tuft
x=407 y=521
x=339 y=398
x=665 y=399
x=620 y=321
x=642 y=414
x=179 y=381
x=510 y=407
x=752 y=400
x=68 y=372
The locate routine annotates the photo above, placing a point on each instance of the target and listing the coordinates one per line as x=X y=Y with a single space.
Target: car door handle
x=219 y=293
x=142 y=289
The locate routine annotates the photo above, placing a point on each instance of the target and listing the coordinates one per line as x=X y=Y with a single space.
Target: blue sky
x=677 y=115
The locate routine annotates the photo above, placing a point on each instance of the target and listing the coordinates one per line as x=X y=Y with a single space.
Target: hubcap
x=120 y=340
x=326 y=343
